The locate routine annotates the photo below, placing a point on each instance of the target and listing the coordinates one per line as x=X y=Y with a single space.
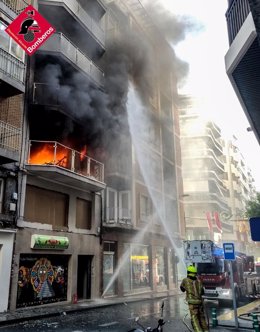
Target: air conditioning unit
x=111 y=221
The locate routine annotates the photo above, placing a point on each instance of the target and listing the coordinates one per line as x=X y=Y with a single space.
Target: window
x=83 y=213
x=111 y=213
x=109 y=267
x=1 y=194
x=124 y=205
x=140 y=266
x=9 y=45
x=160 y=266
x=4 y=38
x=145 y=208
x=46 y=207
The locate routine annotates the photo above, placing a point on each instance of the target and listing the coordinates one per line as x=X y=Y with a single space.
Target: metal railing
x=84 y=17
x=236 y=16
x=17 y=6
x=11 y=66
x=10 y=137
x=51 y=153
x=60 y=43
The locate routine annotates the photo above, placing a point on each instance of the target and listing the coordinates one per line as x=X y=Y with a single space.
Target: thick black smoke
x=102 y=112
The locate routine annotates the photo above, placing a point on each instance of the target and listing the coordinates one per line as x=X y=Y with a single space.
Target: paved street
x=116 y=318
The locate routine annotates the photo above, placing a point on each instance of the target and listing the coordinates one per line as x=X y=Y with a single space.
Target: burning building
x=57 y=249
x=143 y=219
x=99 y=181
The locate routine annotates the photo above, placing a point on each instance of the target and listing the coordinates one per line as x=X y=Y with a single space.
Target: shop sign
x=49 y=242
x=139 y=257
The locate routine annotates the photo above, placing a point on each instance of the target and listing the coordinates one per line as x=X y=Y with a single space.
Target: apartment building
x=57 y=252
x=205 y=193
x=12 y=87
x=93 y=192
x=240 y=182
x=241 y=59
x=216 y=180
x=143 y=220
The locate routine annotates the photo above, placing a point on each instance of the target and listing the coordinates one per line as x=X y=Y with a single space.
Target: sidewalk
x=29 y=313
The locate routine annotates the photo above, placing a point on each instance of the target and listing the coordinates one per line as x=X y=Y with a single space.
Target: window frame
x=123 y=217
x=114 y=220
x=10 y=42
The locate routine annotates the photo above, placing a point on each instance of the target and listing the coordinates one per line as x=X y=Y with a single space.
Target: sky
x=204 y=49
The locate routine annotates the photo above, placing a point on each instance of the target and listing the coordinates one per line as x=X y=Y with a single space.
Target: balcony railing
x=59 y=43
x=236 y=16
x=11 y=66
x=10 y=137
x=84 y=17
x=17 y=6
x=51 y=153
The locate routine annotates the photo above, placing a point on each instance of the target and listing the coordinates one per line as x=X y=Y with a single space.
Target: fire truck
x=215 y=271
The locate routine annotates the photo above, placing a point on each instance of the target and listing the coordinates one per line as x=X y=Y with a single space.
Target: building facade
x=57 y=252
x=241 y=59
x=205 y=193
x=12 y=88
x=240 y=182
x=91 y=195
x=143 y=221
x=217 y=182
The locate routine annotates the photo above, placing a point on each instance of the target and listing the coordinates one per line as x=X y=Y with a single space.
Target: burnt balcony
x=59 y=163
x=60 y=45
x=10 y=143
x=12 y=74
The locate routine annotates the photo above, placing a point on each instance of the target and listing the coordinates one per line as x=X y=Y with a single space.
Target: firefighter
x=194 y=291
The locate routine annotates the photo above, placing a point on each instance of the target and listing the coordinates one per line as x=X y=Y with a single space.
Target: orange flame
x=46 y=155
x=83 y=152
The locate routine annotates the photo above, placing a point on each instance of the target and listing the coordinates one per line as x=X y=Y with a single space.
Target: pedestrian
x=194 y=291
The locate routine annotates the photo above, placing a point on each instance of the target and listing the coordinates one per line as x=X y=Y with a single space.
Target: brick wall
x=11 y=110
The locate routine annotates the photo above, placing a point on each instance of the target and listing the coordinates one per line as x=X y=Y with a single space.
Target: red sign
x=30 y=30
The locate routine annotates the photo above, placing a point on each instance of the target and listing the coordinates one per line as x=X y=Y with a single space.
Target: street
x=117 y=318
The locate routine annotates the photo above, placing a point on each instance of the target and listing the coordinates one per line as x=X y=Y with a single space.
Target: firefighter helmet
x=25 y=26
x=192 y=269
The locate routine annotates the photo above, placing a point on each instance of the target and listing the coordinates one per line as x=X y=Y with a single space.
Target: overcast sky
x=204 y=50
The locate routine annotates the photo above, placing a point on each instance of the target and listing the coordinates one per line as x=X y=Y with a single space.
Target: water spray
x=138 y=120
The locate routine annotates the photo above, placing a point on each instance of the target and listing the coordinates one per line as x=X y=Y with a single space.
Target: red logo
x=30 y=30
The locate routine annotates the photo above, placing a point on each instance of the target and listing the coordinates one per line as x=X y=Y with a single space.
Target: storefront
x=42 y=279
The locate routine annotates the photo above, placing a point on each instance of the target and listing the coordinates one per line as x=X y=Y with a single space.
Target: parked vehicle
x=215 y=276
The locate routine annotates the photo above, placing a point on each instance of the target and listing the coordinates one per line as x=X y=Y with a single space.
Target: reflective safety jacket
x=194 y=290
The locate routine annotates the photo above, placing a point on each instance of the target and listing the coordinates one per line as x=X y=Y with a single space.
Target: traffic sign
x=255 y=228
x=229 y=251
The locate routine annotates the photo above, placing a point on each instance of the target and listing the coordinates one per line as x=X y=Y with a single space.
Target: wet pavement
x=115 y=315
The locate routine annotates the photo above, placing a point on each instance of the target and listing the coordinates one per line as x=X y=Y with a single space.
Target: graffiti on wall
x=42 y=280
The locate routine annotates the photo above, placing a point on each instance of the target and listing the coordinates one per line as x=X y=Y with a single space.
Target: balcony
x=10 y=143
x=12 y=74
x=58 y=44
x=236 y=15
x=12 y=8
x=242 y=60
x=56 y=162
x=72 y=11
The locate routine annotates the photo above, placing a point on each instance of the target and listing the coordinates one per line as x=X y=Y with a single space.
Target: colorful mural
x=42 y=279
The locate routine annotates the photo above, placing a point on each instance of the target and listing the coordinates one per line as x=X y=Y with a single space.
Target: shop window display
x=160 y=271
x=136 y=270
